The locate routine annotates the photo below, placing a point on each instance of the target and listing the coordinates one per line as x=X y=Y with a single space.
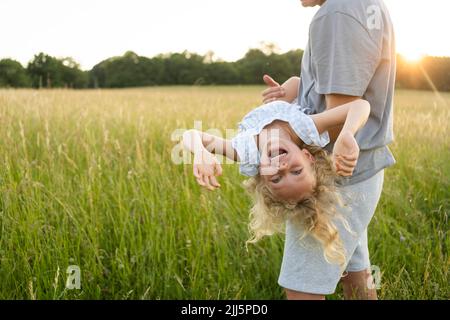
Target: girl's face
x=312 y=3
x=287 y=170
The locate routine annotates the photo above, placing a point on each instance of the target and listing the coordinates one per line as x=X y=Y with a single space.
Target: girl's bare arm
x=352 y=116
x=206 y=166
x=197 y=142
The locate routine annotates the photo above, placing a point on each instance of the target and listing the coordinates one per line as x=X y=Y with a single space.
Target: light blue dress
x=252 y=124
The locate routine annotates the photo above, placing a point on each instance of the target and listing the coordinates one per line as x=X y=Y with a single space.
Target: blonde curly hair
x=315 y=213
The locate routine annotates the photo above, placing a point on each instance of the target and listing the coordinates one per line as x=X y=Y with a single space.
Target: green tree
x=71 y=74
x=256 y=63
x=129 y=70
x=13 y=74
x=44 y=71
x=222 y=73
x=50 y=72
x=184 y=68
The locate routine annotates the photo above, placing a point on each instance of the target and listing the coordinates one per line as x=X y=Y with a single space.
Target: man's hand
x=206 y=168
x=345 y=153
x=274 y=92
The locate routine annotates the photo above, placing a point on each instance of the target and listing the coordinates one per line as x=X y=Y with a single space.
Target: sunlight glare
x=413 y=56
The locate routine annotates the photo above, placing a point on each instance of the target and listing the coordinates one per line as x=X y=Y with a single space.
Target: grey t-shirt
x=351 y=51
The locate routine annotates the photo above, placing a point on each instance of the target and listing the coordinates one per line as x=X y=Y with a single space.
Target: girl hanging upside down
x=291 y=177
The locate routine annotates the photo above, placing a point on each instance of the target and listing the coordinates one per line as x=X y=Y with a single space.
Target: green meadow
x=87 y=179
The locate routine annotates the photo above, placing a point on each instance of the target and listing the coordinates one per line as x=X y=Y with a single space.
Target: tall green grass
x=86 y=179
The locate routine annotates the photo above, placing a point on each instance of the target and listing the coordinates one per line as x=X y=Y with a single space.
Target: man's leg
x=296 y=295
x=357 y=281
x=357 y=285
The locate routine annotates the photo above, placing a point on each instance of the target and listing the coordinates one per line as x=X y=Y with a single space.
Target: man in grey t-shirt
x=350 y=55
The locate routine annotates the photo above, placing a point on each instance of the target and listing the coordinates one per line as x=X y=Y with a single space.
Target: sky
x=93 y=30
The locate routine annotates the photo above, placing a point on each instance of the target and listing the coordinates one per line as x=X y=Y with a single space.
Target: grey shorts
x=304 y=267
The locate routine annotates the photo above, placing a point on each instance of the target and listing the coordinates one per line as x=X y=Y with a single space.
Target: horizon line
x=217 y=59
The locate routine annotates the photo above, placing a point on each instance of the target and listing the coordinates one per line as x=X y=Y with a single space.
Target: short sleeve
x=344 y=56
x=245 y=147
x=306 y=130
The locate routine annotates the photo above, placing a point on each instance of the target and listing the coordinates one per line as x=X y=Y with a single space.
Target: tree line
x=186 y=68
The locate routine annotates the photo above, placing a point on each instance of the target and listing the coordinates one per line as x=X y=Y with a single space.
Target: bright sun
x=413 y=56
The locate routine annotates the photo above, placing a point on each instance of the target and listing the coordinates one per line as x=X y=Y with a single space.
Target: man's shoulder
x=355 y=17
x=356 y=9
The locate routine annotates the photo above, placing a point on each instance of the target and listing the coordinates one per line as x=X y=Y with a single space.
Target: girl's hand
x=206 y=168
x=274 y=92
x=345 y=153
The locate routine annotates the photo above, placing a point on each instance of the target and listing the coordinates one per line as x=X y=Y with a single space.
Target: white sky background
x=93 y=30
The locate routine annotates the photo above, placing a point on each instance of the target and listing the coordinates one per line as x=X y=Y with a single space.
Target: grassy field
x=86 y=179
